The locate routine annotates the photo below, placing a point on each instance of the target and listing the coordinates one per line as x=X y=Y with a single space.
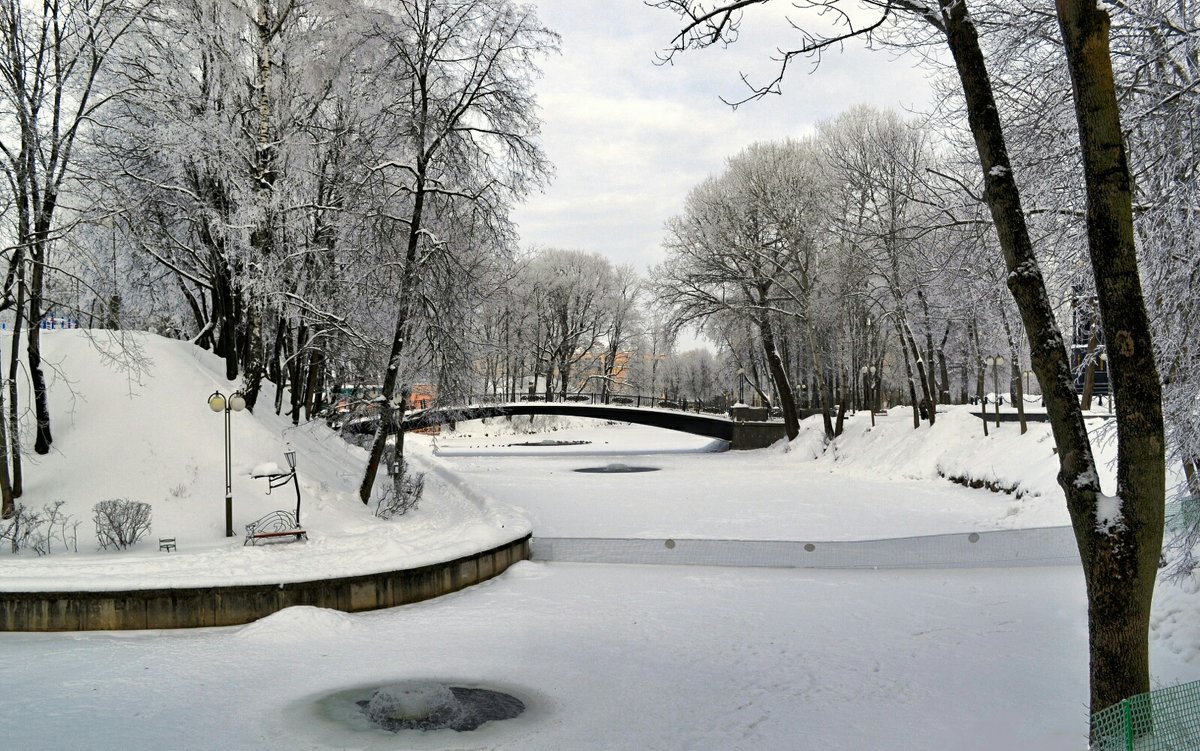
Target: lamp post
x=741 y=385
x=235 y=403
x=996 y=361
x=277 y=480
x=290 y=455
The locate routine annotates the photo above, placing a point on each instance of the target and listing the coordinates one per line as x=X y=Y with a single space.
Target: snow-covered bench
x=276 y=525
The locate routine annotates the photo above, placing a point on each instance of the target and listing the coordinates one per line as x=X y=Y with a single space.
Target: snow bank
x=131 y=420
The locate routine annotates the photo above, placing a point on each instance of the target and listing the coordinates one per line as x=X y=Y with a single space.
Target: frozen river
x=626 y=656
x=728 y=495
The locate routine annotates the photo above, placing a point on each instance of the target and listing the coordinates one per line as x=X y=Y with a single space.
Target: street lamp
x=996 y=361
x=235 y=403
x=277 y=481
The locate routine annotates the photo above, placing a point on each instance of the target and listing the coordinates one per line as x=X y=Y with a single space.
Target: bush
x=402 y=495
x=37 y=530
x=120 y=522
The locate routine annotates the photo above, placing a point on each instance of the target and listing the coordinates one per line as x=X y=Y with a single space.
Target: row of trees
x=310 y=188
x=1050 y=176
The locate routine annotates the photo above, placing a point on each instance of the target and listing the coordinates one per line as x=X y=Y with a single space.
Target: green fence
x=1163 y=720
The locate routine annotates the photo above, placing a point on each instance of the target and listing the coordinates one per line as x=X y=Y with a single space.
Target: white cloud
x=629 y=138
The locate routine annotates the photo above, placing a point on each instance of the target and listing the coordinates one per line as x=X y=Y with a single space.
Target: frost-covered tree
x=462 y=72
x=745 y=247
x=1119 y=538
x=53 y=65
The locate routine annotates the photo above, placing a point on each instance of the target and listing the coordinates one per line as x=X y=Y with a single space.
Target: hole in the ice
x=427 y=705
x=616 y=468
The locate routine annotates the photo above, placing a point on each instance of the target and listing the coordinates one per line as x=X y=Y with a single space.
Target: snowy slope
x=131 y=420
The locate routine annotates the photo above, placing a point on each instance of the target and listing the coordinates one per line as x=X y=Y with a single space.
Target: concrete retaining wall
x=756 y=435
x=229 y=606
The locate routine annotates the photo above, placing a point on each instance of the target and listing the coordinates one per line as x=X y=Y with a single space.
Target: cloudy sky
x=629 y=138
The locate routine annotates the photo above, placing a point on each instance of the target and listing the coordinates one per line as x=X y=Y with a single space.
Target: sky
x=630 y=138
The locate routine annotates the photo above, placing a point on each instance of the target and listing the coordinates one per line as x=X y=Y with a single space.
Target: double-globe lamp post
x=996 y=361
x=235 y=403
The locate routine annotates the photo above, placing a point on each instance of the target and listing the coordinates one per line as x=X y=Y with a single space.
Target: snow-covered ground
x=864 y=494
x=608 y=656
x=131 y=420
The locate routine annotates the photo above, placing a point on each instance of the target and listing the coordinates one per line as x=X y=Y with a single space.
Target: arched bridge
x=712 y=426
x=702 y=419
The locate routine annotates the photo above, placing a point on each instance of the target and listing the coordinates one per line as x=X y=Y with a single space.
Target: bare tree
x=470 y=135
x=1119 y=539
x=51 y=63
x=744 y=246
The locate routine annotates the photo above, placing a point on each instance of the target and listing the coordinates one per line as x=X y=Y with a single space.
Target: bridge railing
x=716 y=406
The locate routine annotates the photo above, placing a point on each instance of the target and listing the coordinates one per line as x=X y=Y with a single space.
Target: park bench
x=277 y=525
x=166 y=543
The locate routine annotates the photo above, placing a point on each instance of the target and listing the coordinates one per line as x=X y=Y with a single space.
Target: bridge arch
x=711 y=426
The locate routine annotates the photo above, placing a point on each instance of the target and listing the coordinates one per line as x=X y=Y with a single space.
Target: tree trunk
x=1089 y=373
x=281 y=350
x=253 y=371
x=1121 y=562
x=14 y=414
x=841 y=413
x=944 y=371
x=819 y=382
x=225 y=310
x=1014 y=372
x=33 y=343
x=391 y=374
x=980 y=378
x=315 y=359
x=1118 y=564
x=786 y=401
x=923 y=376
x=7 y=506
x=1019 y=398
x=908 y=371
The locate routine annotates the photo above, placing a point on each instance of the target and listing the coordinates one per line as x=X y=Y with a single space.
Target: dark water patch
x=434 y=706
x=617 y=469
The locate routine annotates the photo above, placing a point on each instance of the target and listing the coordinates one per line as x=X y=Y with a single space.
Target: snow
x=266 y=469
x=609 y=656
x=147 y=434
x=1108 y=513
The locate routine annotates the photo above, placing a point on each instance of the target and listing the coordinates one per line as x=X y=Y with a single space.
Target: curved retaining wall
x=229 y=606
